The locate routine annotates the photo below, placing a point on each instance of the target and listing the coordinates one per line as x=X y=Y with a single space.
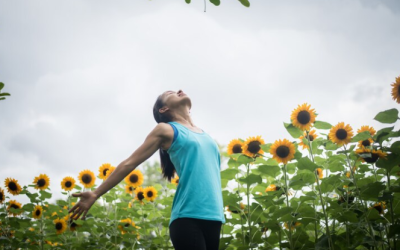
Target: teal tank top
x=198 y=164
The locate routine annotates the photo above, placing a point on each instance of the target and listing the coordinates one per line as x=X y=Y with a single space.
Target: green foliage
x=2 y=95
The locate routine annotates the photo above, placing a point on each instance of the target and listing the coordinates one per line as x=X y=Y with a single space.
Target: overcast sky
x=84 y=75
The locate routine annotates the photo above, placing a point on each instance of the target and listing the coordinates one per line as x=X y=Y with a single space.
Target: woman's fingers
x=75 y=213
x=73 y=208
x=80 y=212
x=84 y=215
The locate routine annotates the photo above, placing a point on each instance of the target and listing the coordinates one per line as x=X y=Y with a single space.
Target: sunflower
x=294 y=225
x=273 y=187
x=126 y=224
x=375 y=154
x=235 y=147
x=87 y=178
x=348 y=174
x=12 y=186
x=175 y=180
x=371 y=130
x=70 y=221
x=341 y=134
x=60 y=225
x=68 y=183
x=135 y=178
x=365 y=143
x=2 y=197
x=37 y=212
x=303 y=117
x=319 y=173
x=139 y=194
x=282 y=151
x=312 y=135
x=110 y=171
x=129 y=189
x=103 y=170
x=150 y=193
x=379 y=206
x=41 y=182
x=396 y=90
x=251 y=147
x=14 y=204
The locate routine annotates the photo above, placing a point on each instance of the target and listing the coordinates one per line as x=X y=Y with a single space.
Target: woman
x=197 y=209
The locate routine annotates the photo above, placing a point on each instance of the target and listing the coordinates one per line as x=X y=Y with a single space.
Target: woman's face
x=173 y=99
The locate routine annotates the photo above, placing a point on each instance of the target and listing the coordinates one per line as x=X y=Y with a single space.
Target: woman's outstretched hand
x=86 y=201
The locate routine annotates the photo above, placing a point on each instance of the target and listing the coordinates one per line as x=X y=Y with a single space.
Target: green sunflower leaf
x=215 y=2
x=270 y=170
x=361 y=136
x=387 y=116
x=1 y=85
x=391 y=161
x=229 y=173
x=245 y=3
x=44 y=195
x=371 y=191
x=187 y=1
x=295 y=132
x=306 y=163
x=322 y=125
x=250 y=179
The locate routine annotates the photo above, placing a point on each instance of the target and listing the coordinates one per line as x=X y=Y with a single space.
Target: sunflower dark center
x=282 y=151
x=366 y=143
x=372 y=159
x=1 y=196
x=379 y=208
x=12 y=185
x=105 y=171
x=130 y=188
x=237 y=149
x=59 y=226
x=37 y=212
x=140 y=196
x=341 y=134
x=73 y=224
x=177 y=181
x=398 y=90
x=254 y=147
x=86 y=178
x=303 y=117
x=150 y=194
x=277 y=188
x=68 y=184
x=133 y=178
x=15 y=206
x=41 y=182
x=127 y=225
x=311 y=137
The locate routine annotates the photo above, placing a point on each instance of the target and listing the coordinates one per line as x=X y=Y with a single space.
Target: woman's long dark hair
x=167 y=167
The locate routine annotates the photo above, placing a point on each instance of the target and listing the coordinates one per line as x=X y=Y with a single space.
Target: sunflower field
x=324 y=187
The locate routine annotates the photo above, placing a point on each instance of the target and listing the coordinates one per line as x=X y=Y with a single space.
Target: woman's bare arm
x=148 y=148
x=152 y=142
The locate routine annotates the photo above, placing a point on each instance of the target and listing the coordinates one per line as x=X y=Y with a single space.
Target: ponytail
x=167 y=167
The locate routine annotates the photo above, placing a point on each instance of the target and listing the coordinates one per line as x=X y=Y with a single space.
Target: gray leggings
x=195 y=234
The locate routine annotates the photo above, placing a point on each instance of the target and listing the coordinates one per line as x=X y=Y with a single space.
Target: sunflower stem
x=371 y=230
x=287 y=204
x=248 y=206
x=280 y=237
x=391 y=208
x=320 y=194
